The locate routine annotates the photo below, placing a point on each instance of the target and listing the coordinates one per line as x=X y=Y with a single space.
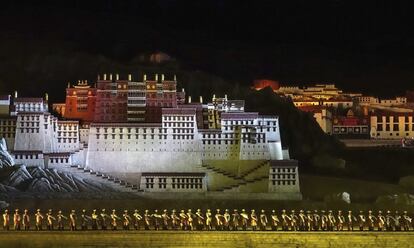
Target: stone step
x=96 y=176
x=254 y=169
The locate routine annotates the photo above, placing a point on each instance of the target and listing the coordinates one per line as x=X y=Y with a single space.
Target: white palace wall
x=169 y=147
x=176 y=145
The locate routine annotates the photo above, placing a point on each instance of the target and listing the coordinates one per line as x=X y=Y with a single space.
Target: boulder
x=346 y=197
x=338 y=198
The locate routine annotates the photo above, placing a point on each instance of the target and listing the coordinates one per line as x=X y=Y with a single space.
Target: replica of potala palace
x=149 y=137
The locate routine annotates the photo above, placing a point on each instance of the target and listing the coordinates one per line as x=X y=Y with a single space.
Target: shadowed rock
x=19 y=178
x=6 y=160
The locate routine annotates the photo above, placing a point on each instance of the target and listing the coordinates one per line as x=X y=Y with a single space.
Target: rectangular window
x=379 y=127
x=395 y=127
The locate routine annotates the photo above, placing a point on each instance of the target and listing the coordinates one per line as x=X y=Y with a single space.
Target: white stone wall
x=79 y=157
x=50 y=126
x=284 y=179
x=29 y=159
x=173 y=183
x=84 y=135
x=30 y=132
x=67 y=137
x=172 y=146
x=55 y=161
x=28 y=106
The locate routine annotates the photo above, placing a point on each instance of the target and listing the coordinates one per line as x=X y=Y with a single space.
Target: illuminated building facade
x=80 y=102
x=181 y=153
x=391 y=125
x=121 y=100
x=351 y=126
x=160 y=93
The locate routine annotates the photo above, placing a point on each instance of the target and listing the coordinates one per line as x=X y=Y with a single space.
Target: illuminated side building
x=351 y=126
x=387 y=124
x=322 y=115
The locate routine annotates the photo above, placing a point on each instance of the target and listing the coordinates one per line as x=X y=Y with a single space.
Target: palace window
x=379 y=127
x=162 y=183
x=396 y=127
x=149 y=183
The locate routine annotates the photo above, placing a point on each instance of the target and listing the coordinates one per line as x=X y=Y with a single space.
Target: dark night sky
x=361 y=46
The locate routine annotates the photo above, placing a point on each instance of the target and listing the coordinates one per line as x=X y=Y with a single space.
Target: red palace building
x=122 y=100
x=159 y=94
x=111 y=99
x=80 y=102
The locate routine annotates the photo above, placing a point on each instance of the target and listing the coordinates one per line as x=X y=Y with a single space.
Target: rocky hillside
x=5 y=159
x=19 y=178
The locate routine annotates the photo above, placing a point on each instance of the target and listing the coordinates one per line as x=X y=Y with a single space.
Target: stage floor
x=204 y=239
